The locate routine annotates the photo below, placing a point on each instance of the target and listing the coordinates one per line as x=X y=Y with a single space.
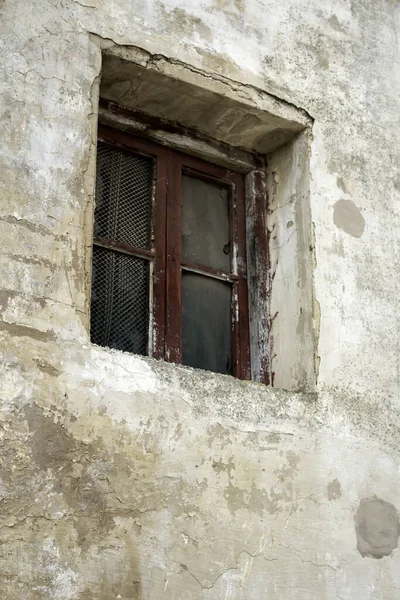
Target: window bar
x=207 y=271
x=124 y=248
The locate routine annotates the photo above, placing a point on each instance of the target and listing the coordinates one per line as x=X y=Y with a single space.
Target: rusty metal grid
x=119 y=302
x=123 y=196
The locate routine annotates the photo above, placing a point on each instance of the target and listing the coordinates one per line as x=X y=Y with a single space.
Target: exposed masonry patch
x=348 y=217
x=377 y=528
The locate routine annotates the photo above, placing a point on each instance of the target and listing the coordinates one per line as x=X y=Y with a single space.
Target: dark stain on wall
x=85 y=474
x=377 y=528
x=348 y=217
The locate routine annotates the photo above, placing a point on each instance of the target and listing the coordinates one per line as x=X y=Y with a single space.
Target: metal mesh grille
x=123 y=196
x=119 y=306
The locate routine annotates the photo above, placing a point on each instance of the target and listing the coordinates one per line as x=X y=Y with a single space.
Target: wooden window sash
x=237 y=275
x=117 y=138
x=166 y=311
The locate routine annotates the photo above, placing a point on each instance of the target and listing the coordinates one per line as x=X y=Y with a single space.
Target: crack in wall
x=234 y=568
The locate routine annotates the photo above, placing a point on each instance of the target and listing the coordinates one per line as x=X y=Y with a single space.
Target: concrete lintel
x=239 y=115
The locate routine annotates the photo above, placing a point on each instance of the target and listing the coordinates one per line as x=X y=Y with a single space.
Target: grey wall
x=126 y=478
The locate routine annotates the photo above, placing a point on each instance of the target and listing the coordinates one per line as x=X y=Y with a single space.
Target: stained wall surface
x=123 y=477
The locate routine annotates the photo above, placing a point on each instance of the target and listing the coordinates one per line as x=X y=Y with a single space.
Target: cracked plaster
x=107 y=482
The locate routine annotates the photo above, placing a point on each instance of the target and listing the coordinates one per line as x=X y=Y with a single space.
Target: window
x=169 y=256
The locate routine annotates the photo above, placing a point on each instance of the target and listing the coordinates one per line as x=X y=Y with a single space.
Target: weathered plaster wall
x=126 y=478
x=292 y=328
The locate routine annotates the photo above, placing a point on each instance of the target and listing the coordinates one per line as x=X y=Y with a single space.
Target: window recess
x=169 y=256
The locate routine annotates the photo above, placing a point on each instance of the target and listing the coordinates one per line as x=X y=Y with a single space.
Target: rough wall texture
x=126 y=478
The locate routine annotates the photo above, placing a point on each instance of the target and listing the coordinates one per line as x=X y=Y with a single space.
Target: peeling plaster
x=124 y=477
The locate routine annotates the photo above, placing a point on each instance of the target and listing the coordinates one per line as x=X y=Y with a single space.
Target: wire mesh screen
x=205 y=223
x=123 y=196
x=206 y=323
x=119 y=305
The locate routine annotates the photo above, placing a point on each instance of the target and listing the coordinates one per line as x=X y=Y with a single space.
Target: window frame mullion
x=158 y=313
x=240 y=313
x=173 y=288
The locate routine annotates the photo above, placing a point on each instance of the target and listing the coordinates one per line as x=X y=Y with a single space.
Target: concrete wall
x=127 y=478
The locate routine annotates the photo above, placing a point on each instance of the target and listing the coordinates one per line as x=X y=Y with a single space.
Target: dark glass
x=119 y=302
x=123 y=196
x=206 y=323
x=205 y=223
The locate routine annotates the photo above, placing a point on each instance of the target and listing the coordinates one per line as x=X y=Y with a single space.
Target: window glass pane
x=119 y=303
x=123 y=196
x=206 y=323
x=205 y=223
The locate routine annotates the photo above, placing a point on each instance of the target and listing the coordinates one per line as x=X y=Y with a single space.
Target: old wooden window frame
x=247 y=212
